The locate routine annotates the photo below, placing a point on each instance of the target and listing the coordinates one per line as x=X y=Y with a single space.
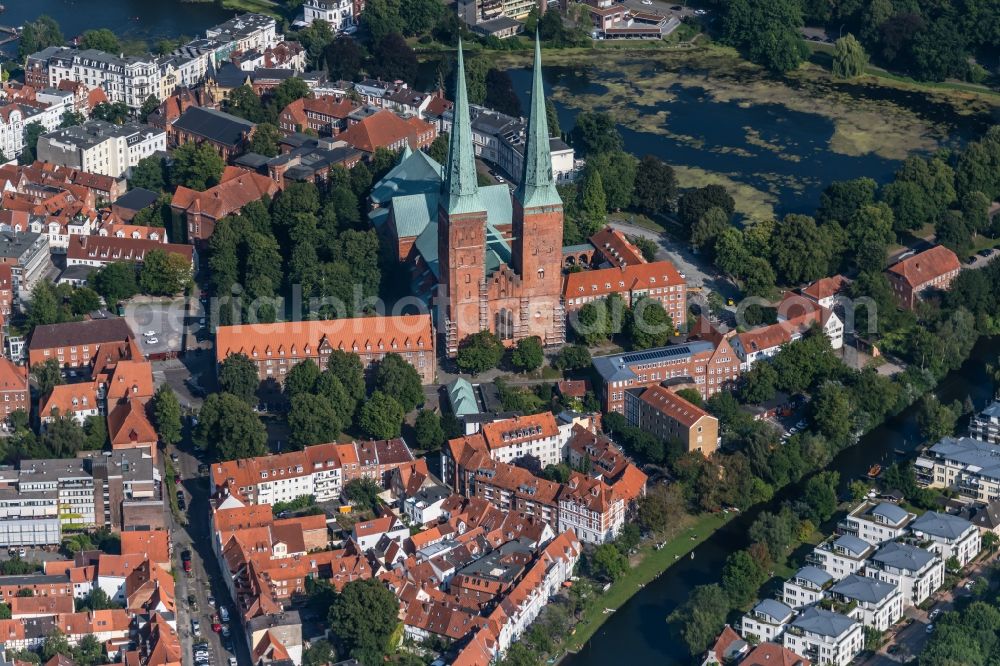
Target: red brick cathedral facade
x=512 y=288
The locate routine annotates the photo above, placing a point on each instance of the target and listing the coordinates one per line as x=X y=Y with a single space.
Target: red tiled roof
x=926 y=266
x=509 y=432
x=383 y=129
x=826 y=287
x=634 y=277
x=112 y=248
x=617 y=248
x=673 y=406
x=238 y=188
x=772 y=654
x=299 y=338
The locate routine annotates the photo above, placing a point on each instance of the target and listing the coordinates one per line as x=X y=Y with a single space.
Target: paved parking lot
x=162 y=320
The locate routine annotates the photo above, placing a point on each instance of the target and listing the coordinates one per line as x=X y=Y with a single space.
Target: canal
x=641 y=623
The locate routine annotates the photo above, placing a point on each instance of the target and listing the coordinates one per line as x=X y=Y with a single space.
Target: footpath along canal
x=638 y=632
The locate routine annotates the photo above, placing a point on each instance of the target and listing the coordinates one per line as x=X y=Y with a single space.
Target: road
x=699 y=273
x=205 y=579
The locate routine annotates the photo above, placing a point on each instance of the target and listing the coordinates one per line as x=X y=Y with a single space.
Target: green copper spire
x=460 y=192
x=537 y=187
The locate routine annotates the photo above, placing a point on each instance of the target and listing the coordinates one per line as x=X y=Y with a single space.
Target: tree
x=742 y=575
x=381 y=416
x=47 y=374
x=849 y=58
x=935 y=419
x=952 y=231
x=394 y=59
x=84 y=300
x=655 y=186
x=618 y=174
x=89 y=651
x=167 y=414
x=344 y=58
x=380 y=18
x=96 y=600
x=820 y=496
x=649 y=325
x=320 y=653
x=245 y=103
x=596 y=132
x=312 y=419
x=228 y=428
x=767 y=32
x=701 y=617
x=301 y=378
x=72 y=119
x=101 y=39
x=869 y=234
x=438 y=150
x=45 y=306
x=429 y=433
x=116 y=113
x=527 y=355
x=362 y=493
x=347 y=367
x=593 y=199
x=265 y=140
x=363 y=617
x=32 y=131
x=802 y=251
x=197 y=166
x=500 y=94
x=149 y=173
x=693 y=204
x=832 y=411
x=238 y=377
x=164 y=274
x=572 y=357
x=286 y=92
x=841 y=199
x=315 y=38
x=419 y=16
x=479 y=352
x=37 y=35
x=55 y=644
x=759 y=384
x=661 y=506
x=607 y=563
x=115 y=281
x=552 y=118
x=395 y=377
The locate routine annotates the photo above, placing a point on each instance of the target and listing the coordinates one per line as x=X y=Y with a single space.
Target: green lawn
x=258 y=6
x=654 y=562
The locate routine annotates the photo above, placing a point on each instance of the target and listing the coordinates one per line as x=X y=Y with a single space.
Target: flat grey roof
x=616 y=367
x=852 y=544
x=13 y=244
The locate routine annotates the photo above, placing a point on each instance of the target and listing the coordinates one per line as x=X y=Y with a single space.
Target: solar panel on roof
x=666 y=352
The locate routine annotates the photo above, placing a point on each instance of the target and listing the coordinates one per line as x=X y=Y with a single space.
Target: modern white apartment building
x=101 y=147
x=535 y=435
x=338 y=13
x=246 y=32
x=824 y=637
x=766 y=621
x=915 y=571
x=316 y=471
x=949 y=536
x=877 y=523
x=985 y=426
x=968 y=466
x=806 y=587
x=876 y=604
x=29 y=519
x=842 y=556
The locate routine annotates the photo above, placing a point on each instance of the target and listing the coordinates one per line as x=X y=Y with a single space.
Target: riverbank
x=653 y=563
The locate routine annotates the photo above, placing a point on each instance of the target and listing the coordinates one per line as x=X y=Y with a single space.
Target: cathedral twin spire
x=461 y=188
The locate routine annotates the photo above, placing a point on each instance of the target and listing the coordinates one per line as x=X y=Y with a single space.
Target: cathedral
x=509 y=284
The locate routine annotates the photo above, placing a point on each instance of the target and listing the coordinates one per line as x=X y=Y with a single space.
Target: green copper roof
x=462 y=397
x=537 y=187
x=414 y=174
x=460 y=192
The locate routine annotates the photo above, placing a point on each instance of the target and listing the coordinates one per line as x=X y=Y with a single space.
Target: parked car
x=211 y=602
x=232 y=661
x=224 y=613
x=195 y=627
x=971 y=259
x=186 y=560
x=149 y=334
x=225 y=630
x=930 y=629
x=985 y=253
